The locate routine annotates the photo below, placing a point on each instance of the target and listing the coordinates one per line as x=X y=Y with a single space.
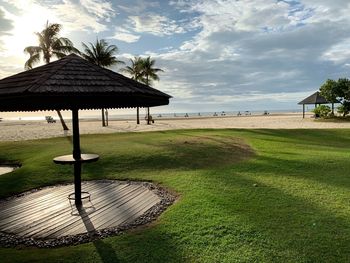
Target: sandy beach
x=28 y=130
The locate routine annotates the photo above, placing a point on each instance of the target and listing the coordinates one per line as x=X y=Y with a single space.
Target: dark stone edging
x=10 y=240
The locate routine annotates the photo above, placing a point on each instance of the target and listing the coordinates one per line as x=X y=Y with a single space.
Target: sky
x=216 y=54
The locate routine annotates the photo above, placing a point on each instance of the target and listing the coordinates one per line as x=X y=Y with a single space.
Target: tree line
x=51 y=45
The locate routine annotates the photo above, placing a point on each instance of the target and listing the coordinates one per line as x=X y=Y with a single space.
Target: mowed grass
x=244 y=195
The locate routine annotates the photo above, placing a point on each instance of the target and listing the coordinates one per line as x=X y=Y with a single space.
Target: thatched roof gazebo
x=315 y=99
x=73 y=83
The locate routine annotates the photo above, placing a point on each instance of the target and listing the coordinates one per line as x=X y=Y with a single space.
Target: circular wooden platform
x=49 y=214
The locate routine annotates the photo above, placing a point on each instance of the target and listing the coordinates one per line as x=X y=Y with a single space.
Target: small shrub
x=322 y=111
x=344 y=109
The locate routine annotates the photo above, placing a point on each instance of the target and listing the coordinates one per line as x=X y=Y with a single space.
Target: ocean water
x=115 y=115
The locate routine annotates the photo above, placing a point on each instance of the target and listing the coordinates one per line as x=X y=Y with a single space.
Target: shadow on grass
x=184 y=153
x=305 y=137
x=330 y=172
x=148 y=251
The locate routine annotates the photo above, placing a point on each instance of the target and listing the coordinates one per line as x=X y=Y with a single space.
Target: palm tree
x=149 y=74
x=50 y=45
x=102 y=55
x=135 y=71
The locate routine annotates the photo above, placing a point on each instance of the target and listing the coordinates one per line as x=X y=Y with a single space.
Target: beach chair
x=151 y=120
x=49 y=119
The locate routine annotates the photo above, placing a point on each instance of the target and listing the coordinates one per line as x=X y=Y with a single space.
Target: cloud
x=264 y=53
x=125 y=36
x=5 y=24
x=155 y=24
x=101 y=9
x=138 y=7
x=257 y=50
x=88 y=15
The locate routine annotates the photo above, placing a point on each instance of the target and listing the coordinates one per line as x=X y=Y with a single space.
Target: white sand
x=5 y=170
x=22 y=130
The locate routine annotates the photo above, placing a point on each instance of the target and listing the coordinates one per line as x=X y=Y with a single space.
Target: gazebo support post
x=77 y=157
x=137 y=115
x=148 y=120
x=303 y=111
x=332 y=108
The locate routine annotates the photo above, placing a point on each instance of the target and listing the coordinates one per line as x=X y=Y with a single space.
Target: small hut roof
x=74 y=83
x=315 y=98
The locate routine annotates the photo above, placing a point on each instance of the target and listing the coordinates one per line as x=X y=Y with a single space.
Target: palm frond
x=58 y=54
x=31 y=61
x=101 y=53
x=32 y=50
x=49 y=44
x=149 y=73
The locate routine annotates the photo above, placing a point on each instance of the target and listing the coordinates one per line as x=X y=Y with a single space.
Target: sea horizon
x=113 y=115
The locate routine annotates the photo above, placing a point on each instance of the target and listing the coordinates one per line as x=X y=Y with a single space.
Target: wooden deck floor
x=49 y=214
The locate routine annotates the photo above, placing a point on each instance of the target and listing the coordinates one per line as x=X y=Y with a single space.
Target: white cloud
x=257 y=50
x=76 y=17
x=155 y=24
x=99 y=8
x=338 y=53
x=240 y=15
x=126 y=36
x=139 y=7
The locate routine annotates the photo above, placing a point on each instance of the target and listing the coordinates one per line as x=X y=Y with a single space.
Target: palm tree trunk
x=103 y=118
x=64 y=126
x=138 y=115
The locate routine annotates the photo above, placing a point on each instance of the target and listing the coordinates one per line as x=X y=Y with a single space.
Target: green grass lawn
x=244 y=195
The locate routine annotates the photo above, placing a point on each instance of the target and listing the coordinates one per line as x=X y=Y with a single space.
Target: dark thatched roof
x=315 y=98
x=74 y=83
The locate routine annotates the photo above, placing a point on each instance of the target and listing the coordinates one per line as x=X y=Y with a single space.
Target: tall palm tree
x=50 y=45
x=149 y=74
x=135 y=71
x=102 y=55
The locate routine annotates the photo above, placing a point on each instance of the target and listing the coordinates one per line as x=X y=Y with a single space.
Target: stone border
x=10 y=240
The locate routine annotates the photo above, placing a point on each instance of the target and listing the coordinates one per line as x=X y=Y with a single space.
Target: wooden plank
x=126 y=213
x=39 y=203
x=114 y=211
x=36 y=207
x=43 y=194
x=49 y=215
x=25 y=201
x=62 y=217
x=64 y=230
x=123 y=212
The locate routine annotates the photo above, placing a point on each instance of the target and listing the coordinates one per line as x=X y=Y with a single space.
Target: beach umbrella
x=73 y=83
